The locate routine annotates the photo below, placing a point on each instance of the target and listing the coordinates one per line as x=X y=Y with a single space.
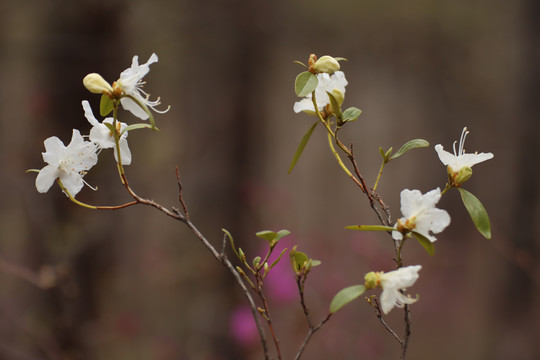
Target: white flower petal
x=53 y=148
x=45 y=178
x=411 y=201
x=472 y=159
x=394 y=281
x=89 y=114
x=445 y=157
x=134 y=108
x=125 y=153
x=72 y=181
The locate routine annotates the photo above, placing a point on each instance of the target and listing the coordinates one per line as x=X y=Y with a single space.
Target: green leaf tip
x=370 y=228
x=106 y=105
x=426 y=244
x=477 y=212
x=305 y=83
x=301 y=146
x=413 y=144
x=351 y=114
x=345 y=296
x=272 y=237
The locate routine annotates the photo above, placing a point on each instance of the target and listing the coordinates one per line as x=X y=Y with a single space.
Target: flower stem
x=379 y=175
x=448 y=186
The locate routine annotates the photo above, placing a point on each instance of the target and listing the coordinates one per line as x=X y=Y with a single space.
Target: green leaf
x=315 y=262
x=381 y=151
x=305 y=83
x=282 y=233
x=138 y=126
x=106 y=105
x=413 y=144
x=301 y=146
x=388 y=153
x=272 y=237
x=279 y=258
x=267 y=235
x=477 y=212
x=298 y=259
x=231 y=241
x=370 y=228
x=300 y=63
x=345 y=296
x=424 y=241
x=351 y=114
x=110 y=127
x=335 y=108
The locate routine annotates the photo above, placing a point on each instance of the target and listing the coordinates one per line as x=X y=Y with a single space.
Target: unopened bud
x=96 y=84
x=459 y=177
x=326 y=64
x=372 y=280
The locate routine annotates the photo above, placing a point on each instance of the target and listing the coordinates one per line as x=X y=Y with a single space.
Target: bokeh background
x=79 y=284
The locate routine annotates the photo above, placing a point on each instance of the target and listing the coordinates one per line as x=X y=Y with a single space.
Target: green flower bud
x=372 y=280
x=326 y=64
x=96 y=84
x=459 y=177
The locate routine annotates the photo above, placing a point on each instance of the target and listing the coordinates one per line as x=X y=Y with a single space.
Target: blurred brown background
x=134 y=284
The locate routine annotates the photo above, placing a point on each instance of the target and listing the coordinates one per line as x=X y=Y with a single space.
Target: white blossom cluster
x=70 y=163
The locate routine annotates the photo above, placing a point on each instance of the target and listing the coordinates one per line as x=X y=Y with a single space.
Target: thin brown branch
x=311 y=331
x=378 y=312
x=180 y=198
x=221 y=257
x=405 y=343
x=300 y=280
x=267 y=316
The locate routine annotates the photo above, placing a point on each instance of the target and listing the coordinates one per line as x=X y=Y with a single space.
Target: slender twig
x=268 y=317
x=300 y=280
x=180 y=198
x=311 y=331
x=177 y=215
x=405 y=343
x=378 y=312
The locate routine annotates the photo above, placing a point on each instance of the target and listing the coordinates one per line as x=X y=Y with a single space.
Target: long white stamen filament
x=464 y=134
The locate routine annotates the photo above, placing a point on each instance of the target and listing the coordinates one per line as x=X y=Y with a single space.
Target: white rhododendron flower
x=67 y=163
x=420 y=214
x=459 y=163
x=102 y=136
x=394 y=281
x=334 y=84
x=130 y=84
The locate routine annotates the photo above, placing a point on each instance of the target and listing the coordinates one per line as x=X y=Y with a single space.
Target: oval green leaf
x=267 y=235
x=335 y=107
x=138 y=126
x=426 y=244
x=301 y=146
x=105 y=105
x=351 y=114
x=477 y=212
x=305 y=83
x=370 y=228
x=345 y=296
x=298 y=260
x=282 y=233
x=413 y=144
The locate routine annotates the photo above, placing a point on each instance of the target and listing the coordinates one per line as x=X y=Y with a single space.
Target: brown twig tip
x=180 y=198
